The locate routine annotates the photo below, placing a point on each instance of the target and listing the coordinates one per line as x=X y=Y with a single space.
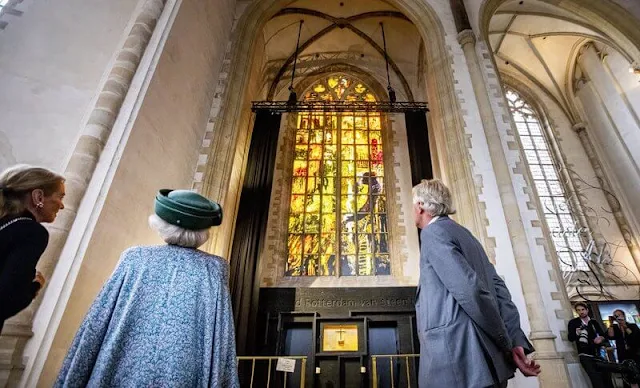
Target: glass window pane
x=557 y=209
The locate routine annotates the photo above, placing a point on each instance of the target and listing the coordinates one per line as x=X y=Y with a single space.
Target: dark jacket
x=627 y=345
x=21 y=245
x=594 y=329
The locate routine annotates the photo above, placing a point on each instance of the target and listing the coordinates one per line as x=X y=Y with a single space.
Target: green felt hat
x=187 y=209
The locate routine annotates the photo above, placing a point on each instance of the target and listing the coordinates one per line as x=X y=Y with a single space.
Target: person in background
x=627 y=338
x=468 y=326
x=164 y=317
x=588 y=335
x=29 y=196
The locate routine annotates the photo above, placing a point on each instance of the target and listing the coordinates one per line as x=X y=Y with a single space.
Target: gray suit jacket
x=466 y=320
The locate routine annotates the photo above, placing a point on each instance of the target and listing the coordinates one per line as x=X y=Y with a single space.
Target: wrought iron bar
x=339 y=106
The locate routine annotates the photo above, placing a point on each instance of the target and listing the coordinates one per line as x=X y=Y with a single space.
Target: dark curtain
x=250 y=229
x=418 y=142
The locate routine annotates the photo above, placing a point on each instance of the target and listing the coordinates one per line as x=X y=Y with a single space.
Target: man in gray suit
x=469 y=328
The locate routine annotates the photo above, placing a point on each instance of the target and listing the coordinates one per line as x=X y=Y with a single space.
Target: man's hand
x=598 y=340
x=525 y=365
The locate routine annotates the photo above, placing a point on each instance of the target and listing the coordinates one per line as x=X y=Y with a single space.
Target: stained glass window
x=338 y=215
x=557 y=212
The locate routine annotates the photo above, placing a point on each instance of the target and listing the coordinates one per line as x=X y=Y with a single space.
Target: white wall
x=52 y=59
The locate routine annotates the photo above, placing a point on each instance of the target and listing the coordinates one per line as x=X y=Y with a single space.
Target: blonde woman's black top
x=22 y=242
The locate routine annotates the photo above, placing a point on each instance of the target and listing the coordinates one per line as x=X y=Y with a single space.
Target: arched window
x=550 y=191
x=337 y=216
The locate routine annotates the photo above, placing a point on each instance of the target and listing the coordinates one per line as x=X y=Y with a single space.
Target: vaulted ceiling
x=540 y=41
x=342 y=31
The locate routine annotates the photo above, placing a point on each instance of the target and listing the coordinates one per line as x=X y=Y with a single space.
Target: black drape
x=251 y=224
x=418 y=143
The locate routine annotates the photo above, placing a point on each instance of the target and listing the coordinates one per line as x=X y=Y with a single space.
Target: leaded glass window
x=550 y=191
x=338 y=215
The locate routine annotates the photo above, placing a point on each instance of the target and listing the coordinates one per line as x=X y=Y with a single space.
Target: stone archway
x=222 y=177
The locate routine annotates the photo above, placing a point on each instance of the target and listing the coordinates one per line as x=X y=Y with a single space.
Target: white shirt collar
x=434 y=219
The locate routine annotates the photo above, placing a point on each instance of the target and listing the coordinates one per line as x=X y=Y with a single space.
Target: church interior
x=309 y=122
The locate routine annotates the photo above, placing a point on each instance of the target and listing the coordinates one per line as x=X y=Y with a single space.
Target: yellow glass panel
x=295 y=223
x=348 y=168
x=362 y=201
x=312 y=185
x=348 y=152
x=316 y=136
x=365 y=265
x=362 y=152
x=361 y=137
x=348 y=204
x=310 y=265
x=332 y=82
x=319 y=88
x=347 y=137
x=375 y=137
x=361 y=122
x=328 y=185
x=295 y=244
x=328 y=265
x=347 y=186
x=359 y=88
x=347 y=244
x=299 y=168
x=312 y=223
x=328 y=168
x=362 y=167
x=311 y=243
x=300 y=152
x=347 y=122
x=369 y=98
x=328 y=243
x=298 y=185
x=314 y=168
x=312 y=204
x=329 y=223
x=374 y=123
x=302 y=137
x=315 y=152
x=328 y=204
x=318 y=121
x=297 y=203
x=326 y=97
x=293 y=266
x=340 y=338
x=329 y=137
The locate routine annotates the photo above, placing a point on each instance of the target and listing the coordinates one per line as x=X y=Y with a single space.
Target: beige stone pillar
x=78 y=174
x=619 y=216
x=554 y=369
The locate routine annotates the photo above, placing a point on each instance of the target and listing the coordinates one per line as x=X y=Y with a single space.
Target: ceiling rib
x=339 y=23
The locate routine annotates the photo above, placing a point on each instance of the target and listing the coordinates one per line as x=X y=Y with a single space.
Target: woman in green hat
x=164 y=317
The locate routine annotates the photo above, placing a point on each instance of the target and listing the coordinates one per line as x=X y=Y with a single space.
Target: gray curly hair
x=433 y=197
x=175 y=235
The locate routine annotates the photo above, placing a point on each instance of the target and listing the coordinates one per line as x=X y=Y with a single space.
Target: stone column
x=621 y=219
x=554 y=370
x=78 y=174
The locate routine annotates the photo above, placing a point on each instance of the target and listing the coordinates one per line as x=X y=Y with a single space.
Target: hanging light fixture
x=392 y=93
x=293 y=97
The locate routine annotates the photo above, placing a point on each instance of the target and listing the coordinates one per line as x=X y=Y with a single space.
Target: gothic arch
x=235 y=117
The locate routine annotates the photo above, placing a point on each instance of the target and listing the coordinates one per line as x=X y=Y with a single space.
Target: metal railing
x=258 y=371
x=391 y=370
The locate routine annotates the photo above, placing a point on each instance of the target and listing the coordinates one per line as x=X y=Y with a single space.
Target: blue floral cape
x=163 y=319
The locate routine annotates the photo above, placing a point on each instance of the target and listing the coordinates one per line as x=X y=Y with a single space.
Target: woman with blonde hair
x=164 y=317
x=29 y=196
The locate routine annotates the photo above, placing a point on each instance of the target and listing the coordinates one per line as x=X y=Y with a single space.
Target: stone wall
x=51 y=66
